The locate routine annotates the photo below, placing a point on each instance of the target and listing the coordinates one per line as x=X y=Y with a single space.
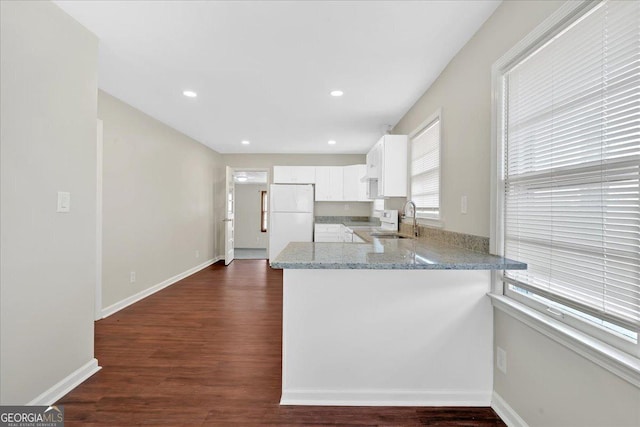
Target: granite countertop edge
x=392 y=266
x=406 y=254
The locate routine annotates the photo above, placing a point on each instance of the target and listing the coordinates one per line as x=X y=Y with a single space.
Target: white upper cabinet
x=333 y=183
x=373 y=161
x=355 y=190
x=387 y=162
x=329 y=183
x=294 y=174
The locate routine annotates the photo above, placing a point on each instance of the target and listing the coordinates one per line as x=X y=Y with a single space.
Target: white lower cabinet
x=335 y=233
x=357 y=239
x=328 y=233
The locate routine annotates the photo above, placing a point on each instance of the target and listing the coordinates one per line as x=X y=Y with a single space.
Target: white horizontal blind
x=572 y=165
x=425 y=169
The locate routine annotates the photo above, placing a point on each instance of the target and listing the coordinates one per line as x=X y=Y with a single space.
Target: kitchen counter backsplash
x=364 y=221
x=461 y=240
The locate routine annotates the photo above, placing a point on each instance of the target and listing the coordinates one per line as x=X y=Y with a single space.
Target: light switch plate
x=64 y=201
x=463 y=205
x=501 y=360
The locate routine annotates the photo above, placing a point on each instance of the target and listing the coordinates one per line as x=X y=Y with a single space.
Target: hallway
x=206 y=351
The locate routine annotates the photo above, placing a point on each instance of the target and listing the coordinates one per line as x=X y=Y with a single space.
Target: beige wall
x=463 y=91
x=549 y=385
x=247 y=232
x=343 y=209
x=159 y=203
x=546 y=383
x=48 y=85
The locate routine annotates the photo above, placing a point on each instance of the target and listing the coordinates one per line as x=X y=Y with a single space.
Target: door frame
x=229 y=187
x=247 y=169
x=99 y=173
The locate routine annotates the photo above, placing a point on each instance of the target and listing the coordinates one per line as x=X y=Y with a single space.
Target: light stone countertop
x=388 y=254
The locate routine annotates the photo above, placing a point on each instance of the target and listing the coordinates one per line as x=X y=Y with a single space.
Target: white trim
x=422 y=126
x=99 y=152
x=386 y=397
x=604 y=355
x=506 y=412
x=113 y=308
x=67 y=384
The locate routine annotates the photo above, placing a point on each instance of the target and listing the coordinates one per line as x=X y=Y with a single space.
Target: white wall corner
x=113 y=308
x=64 y=386
x=506 y=412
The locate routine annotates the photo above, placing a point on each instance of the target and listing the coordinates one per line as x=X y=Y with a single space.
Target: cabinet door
x=373 y=161
x=305 y=174
x=323 y=184
x=328 y=233
x=362 y=190
x=350 y=190
x=393 y=170
x=329 y=183
x=355 y=190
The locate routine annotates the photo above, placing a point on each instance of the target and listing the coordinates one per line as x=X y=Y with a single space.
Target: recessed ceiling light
x=332 y=142
x=189 y=94
x=245 y=142
x=337 y=93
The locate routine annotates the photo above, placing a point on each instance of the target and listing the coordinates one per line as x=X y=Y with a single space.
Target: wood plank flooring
x=206 y=351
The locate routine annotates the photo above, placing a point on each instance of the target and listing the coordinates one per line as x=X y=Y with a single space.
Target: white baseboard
x=113 y=308
x=67 y=384
x=386 y=398
x=506 y=412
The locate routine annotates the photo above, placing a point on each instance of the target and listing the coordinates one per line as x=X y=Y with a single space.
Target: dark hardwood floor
x=206 y=351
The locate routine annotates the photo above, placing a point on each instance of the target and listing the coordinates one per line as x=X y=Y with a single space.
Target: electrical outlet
x=463 y=205
x=197 y=254
x=501 y=360
x=132 y=277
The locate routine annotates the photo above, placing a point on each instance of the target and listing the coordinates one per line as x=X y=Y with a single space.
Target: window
x=264 y=211
x=568 y=201
x=425 y=168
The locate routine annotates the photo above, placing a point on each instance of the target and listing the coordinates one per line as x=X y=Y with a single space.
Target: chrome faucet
x=413 y=213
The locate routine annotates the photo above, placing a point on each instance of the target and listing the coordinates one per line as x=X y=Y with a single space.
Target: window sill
x=610 y=358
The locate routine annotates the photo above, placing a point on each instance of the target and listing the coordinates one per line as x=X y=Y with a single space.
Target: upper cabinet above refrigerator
x=294 y=174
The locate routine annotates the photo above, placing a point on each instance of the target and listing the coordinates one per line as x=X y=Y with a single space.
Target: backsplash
x=343 y=208
x=461 y=240
x=375 y=222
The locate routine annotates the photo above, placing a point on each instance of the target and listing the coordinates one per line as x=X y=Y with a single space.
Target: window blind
x=572 y=165
x=425 y=169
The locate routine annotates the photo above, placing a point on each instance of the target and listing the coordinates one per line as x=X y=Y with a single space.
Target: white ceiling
x=263 y=70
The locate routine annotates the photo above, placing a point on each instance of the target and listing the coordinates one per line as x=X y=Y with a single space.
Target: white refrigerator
x=291 y=216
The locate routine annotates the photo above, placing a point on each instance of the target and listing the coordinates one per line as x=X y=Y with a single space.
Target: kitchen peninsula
x=393 y=321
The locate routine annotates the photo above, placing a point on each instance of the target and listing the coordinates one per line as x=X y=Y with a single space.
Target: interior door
x=229 y=217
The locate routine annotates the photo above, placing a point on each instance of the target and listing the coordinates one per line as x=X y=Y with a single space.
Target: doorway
x=251 y=230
